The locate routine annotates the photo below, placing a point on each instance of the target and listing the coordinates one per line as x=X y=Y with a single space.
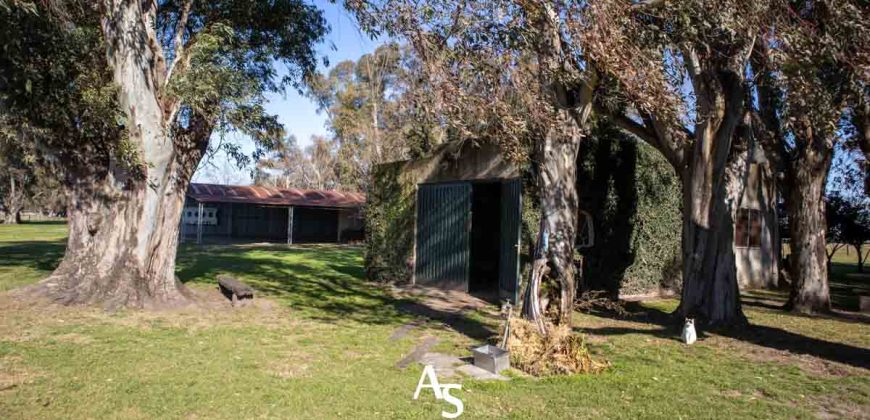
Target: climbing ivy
x=389 y=226
x=635 y=200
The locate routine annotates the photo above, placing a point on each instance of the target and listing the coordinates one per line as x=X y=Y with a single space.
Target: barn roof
x=214 y=193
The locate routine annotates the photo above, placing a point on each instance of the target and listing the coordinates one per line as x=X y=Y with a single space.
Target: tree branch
x=149 y=19
x=178 y=48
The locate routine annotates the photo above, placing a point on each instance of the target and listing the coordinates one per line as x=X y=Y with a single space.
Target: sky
x=297 y=113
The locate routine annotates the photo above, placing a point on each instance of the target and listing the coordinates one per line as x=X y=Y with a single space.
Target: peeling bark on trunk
x=710 y=290
x=123 y=222
x=102 y=264
x=559 y=206
x=806 y=179
x=557 y=183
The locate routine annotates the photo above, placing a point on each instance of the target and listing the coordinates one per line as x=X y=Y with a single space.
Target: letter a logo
x=429 y=372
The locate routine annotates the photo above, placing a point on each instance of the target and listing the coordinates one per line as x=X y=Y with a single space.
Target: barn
x=231 y=213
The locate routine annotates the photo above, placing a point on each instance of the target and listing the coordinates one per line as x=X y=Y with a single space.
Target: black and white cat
x=689 y=336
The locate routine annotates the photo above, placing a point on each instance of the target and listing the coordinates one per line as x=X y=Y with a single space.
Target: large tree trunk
x=123 y=221
x=710 y=290
x=805 y=200
x=559 y=207
x=557 y=186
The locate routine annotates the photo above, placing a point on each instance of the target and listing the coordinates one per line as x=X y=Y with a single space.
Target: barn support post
x=230 y=220
x=338 y=226
x=199 y=225
x=290 y=225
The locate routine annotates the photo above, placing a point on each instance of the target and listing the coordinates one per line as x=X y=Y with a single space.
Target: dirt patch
x=13 y=373
x=24 y=320
x=808 y=364
x=291 y=366
x=441 y=302
x=830 y=408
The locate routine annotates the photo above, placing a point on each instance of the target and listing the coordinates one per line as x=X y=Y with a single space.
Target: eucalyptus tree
x=178 y=70
x=679 y=80
x=503 y=72
x=812 y=69
x=376 y=109
x=17 y=174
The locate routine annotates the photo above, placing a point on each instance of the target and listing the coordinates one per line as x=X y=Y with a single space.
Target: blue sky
x=298 y=114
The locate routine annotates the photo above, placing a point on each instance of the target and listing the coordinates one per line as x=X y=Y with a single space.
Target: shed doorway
x=468 y=237
x=485 y=238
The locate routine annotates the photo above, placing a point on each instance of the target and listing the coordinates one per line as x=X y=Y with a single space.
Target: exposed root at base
x=122 y=296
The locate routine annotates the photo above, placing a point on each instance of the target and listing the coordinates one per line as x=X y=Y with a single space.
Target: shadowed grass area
x=319 y=348
x=30 y=251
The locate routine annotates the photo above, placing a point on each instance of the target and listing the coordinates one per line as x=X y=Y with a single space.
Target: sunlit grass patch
x=316 y=345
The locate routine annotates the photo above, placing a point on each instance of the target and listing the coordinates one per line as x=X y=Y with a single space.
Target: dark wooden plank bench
x=233 y=289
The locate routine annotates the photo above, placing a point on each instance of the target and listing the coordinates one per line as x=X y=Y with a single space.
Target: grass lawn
x=319 y=347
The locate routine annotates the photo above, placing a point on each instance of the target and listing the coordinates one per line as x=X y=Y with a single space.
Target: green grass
x=29 y=251
x=319 y=348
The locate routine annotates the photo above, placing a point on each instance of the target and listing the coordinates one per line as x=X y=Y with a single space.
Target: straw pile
x=561 y=352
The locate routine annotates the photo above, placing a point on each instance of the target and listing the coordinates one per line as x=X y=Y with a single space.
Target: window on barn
x=747 y=228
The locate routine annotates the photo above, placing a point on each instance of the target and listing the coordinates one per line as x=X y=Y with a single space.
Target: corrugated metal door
x=443 y=224
x=511 y=213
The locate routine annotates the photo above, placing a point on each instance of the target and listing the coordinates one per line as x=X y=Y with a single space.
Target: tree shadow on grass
x=39 y=255
x=320 y=282
x=765 y=336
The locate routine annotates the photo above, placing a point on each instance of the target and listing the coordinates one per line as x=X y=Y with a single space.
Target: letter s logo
x=452 y=400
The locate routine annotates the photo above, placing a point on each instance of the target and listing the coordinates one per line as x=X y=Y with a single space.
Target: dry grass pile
x=560 y=352
x=590 y=302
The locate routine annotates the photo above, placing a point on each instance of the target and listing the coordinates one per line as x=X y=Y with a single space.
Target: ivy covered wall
x=389 y=225
x=635 y=201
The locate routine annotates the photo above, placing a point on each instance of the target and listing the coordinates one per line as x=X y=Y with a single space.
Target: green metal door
x=511 y=213
x=443 y=224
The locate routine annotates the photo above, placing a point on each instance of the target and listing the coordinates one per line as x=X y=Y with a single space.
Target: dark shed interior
x=485 y=238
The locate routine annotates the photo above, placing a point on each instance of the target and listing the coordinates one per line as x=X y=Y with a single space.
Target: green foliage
x=634 y=200
x=375 y=111
x=232 y=53
x=56 y=97
x=390 y=225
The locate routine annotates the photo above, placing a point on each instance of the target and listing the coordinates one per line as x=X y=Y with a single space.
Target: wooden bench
x=234 y=290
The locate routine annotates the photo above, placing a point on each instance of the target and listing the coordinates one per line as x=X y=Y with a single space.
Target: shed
x=454 y=221
x=232 y=213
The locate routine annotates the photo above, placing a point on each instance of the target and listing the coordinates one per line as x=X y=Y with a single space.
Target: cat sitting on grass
x=689 y=336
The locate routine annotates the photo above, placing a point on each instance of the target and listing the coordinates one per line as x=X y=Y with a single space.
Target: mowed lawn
x=317 y=346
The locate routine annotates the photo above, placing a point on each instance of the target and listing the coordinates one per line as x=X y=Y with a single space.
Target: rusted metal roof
x=214 y=193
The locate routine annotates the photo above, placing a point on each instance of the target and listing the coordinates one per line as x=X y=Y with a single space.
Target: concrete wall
x=757 y=267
